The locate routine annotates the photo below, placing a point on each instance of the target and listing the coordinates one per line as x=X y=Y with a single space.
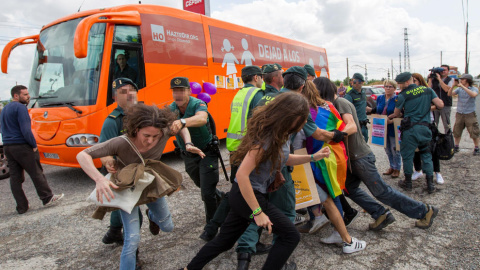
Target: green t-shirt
x=416 y=102
x=355 y=143
x=200 y=136
x=359 y=100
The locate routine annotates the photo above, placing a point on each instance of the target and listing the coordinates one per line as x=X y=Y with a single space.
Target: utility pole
x=406 y=53
x=400 y=61
x=348 y=74
x=441 y=58
x=392 y=68
x=388 y=74
x=466 y=49
x=366 y=78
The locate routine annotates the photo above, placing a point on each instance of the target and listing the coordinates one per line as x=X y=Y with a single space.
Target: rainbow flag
x=330 y=171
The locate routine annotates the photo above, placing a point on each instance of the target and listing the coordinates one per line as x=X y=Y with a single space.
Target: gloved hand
x=338 y=135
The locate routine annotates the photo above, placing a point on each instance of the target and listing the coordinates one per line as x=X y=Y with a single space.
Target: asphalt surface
x=65 y=237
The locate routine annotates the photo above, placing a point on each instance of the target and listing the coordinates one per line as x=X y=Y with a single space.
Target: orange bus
x=78 y=56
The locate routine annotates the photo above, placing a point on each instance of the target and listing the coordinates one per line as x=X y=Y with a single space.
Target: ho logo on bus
x=158 y=34
x=45 y=114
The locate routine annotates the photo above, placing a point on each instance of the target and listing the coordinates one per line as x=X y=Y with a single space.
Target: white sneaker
x=318 y=223
x=334 y=238
x=439 y=177
x=355 y=246
x=417 y=175
x=298 y=219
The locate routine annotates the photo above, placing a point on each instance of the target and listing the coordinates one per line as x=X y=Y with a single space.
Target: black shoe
x=289 y=266
x=206 y=237
x=350 y=217
x=382 y=221
x=22 y=211
x=113 y=235
x=456 y=149
x=407 y=183
x=138 y=264
x=430 y=185
x=154 y=229
x=243 y=261
x=262 y=248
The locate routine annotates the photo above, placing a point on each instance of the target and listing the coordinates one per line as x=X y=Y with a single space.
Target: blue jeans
x=394 y=157
x=159 y=213
x=364 y=170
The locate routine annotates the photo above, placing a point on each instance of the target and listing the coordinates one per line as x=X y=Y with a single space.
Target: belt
x=204 y=150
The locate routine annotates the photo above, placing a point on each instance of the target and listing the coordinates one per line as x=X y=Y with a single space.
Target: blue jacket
x=390 y=109
x=16 y=125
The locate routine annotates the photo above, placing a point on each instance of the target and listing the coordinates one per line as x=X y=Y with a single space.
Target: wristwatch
x=183 y=122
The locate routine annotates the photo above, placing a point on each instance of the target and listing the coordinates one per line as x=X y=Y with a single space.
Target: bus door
x=127 y=57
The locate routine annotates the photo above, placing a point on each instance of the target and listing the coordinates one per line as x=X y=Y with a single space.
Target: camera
x=434 y=71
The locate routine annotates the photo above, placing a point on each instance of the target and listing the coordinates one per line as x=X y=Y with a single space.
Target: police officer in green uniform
x=310 y=72
x=273 y=79
x=124 y=92
x=192 y=114
x=284 y=197
x=358 y=98
x=416 y=102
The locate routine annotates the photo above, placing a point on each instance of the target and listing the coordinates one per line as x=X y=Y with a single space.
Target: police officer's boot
x=407 y=183
x=113 y=235
x=430 y=184
x=243 y=260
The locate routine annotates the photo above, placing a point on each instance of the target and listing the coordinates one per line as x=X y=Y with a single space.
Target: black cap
x=300 y=71
x=119 y=82
x=310 y=70
x=179 y=82
x=251 y=70
x=358 y=76
x=403 y=77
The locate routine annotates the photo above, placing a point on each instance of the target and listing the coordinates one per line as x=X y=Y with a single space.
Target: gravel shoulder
x=65 y=237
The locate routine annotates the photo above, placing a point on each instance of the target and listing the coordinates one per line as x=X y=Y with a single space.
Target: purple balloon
x=204 y=97
x=195 y=87
x=209 y=88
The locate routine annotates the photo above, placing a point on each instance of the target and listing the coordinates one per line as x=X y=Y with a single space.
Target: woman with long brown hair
x=264 y=150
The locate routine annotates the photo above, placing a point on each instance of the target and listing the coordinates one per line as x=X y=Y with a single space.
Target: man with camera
x=441 y=83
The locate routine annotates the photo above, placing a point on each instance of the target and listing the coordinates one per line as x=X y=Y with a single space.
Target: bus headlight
x=82 y=140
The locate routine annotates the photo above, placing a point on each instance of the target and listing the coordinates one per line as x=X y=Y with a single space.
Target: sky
x=370 y=33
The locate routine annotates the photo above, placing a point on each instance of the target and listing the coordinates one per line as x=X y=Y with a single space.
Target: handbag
x=125 y=199
x=443 y=145
x=277 y=183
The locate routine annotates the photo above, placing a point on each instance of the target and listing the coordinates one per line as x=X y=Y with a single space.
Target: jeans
x=237 y=222
x=445 y=115
x=364 y=170
x=21 y=158
x=394 y=157
x=159 y=213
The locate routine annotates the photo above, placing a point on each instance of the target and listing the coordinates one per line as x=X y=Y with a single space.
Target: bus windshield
x=58 y=78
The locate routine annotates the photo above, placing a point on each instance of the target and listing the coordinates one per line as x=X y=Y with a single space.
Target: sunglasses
x=389 y=86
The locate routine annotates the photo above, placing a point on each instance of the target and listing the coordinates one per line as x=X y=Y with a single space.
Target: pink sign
x=197 y=6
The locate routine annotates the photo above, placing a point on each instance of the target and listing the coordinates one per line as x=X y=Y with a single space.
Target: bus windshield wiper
x=68 y=104
x=42 y=97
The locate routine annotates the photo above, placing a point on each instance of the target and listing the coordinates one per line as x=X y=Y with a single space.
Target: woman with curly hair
x=264 y=150
x=148 y=130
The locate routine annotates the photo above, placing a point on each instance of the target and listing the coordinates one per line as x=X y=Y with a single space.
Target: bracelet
x=189 y=144
x=312 y=159
x=256 y=212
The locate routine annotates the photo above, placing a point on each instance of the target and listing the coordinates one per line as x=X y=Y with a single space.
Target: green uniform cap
x=269 y=68
x=300 y=71
x=403 y=77
x=251 y=70
x=179 y=82
x=117 y=83
x=310 y=70
x=358 y=76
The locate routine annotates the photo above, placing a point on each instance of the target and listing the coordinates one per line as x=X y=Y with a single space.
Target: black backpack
x=442 y=144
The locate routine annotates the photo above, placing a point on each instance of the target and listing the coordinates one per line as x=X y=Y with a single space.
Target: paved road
x=65 y=237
